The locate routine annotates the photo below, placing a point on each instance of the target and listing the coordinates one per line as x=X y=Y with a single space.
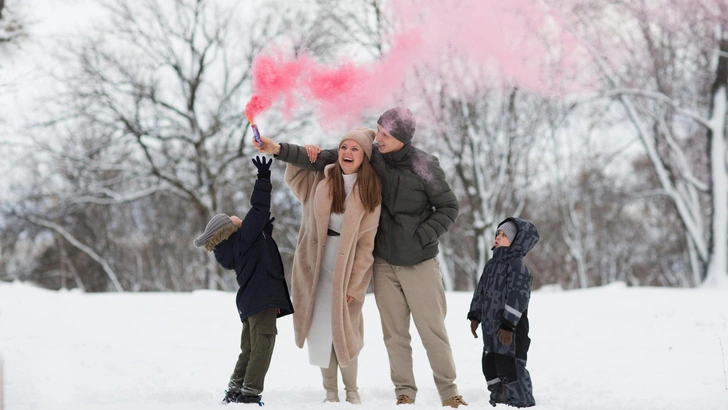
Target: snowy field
x=603 y=348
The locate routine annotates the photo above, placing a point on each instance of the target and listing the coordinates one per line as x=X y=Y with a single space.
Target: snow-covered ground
x=602 y=348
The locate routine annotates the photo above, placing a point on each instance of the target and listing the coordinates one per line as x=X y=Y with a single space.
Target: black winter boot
x=520 y=391
x=232 y=395
x=250 y=398
x=497 y=395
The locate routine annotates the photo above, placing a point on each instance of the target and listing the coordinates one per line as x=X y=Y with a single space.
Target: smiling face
x=387 y=143
x=351 y=156
x=501 y=240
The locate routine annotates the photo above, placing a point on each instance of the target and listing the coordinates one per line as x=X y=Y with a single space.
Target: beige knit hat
x=363 y=137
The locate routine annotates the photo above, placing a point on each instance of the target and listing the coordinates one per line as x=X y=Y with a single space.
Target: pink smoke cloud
x=498 y=36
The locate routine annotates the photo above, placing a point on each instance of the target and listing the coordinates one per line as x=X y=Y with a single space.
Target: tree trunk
x=718 y=265
x=447 y=280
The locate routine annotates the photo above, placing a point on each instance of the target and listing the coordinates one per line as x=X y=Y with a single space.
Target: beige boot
x=330 y=384
x=349 y=375
x=353 y=397
x=330 y=378
x=454 y=402
x=331 y=397
x=405 y=399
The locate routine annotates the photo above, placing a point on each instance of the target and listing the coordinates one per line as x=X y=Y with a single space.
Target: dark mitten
x=263 y=167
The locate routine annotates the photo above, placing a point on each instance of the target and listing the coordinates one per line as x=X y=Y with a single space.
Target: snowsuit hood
x=526 y=237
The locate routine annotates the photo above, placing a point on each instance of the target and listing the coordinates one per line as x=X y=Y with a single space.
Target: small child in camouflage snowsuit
x=247 y=246
x=500 y=307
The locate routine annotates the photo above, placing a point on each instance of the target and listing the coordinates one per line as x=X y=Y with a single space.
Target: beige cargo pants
x=415 y=291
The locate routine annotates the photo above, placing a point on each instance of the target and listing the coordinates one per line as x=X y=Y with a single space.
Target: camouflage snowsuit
x=501 y=301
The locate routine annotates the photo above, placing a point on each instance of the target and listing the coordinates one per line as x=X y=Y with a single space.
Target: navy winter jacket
x=503 y=292
x=253 y=254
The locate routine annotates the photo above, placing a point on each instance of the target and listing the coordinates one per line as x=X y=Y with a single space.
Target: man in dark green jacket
x=418 y=207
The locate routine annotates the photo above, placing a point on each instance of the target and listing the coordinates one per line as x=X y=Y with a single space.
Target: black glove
x=263 y=167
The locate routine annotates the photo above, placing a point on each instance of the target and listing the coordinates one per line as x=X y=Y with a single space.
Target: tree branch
x=660 y=97
x=77 y=244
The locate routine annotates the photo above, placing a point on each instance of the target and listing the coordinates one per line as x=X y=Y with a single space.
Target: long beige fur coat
x=353 y=267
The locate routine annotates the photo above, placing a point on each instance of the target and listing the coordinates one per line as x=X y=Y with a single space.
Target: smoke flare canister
x=256 y=133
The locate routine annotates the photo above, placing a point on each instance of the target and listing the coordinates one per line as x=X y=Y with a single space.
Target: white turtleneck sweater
x=336 y=221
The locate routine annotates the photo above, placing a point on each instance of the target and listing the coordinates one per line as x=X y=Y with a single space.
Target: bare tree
x=150 y=130
x=482 y=130
x=361 y=23
x=575 y=216
x=149 y=139
x=487 y=133
x=669 y=72
x=11 y=26
x=113 y=278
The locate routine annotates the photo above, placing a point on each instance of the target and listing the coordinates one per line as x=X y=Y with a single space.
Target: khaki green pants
x=256 y=348
x=415 y=291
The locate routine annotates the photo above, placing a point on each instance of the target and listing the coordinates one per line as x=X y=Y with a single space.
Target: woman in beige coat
x=332 y=264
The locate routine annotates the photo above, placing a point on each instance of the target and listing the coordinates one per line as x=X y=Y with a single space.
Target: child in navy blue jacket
x=247 y=246
x=500 y=307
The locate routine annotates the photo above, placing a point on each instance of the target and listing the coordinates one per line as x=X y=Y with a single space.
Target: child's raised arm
x=257 y=216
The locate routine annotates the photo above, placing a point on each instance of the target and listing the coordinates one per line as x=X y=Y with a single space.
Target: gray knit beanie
x=400 y=123
x=509 y=229
x=217 y=223
x=363 y=137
